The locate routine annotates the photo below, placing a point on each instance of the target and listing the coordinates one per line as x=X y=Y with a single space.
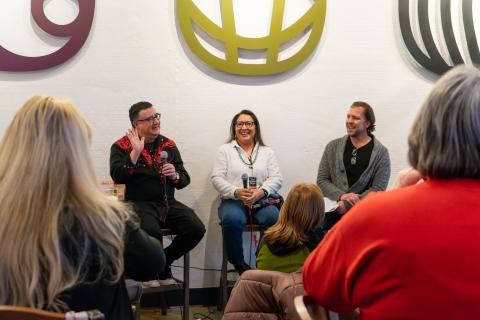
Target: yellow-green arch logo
x=190 y=15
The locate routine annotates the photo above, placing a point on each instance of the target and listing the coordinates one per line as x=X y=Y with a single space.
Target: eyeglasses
x=353 y=159
x=151 y=119
x=248 y=124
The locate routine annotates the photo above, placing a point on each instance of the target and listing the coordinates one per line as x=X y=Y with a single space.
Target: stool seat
x=224 y=283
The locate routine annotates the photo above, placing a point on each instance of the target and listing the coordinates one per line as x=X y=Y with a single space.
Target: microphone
x=244 y=180
x=164 y=157
x=163 y=214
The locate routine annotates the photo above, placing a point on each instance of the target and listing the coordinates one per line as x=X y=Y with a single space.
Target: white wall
x=135 y=52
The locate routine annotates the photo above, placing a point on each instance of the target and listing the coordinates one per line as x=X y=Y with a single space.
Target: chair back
x=308 y=309
x=25 y=313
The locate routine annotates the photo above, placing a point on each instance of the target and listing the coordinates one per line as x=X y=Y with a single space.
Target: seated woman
x=245 y=156
x=62 y=239
x=285 y=246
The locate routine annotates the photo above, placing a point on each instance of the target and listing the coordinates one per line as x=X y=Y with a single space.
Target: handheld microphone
x=164 y=157
x=244 y=180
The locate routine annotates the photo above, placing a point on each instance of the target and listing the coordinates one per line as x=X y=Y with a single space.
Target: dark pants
x=331 y=218
x=181 y=219
x=143 y=255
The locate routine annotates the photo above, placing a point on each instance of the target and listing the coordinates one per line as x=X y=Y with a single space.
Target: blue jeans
x=233 y=217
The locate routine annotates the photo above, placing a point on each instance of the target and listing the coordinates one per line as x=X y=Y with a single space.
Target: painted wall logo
x=433 y=59
x=77 y=31
x=312 y=21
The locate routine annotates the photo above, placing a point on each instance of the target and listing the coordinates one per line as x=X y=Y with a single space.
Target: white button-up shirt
x=232 y=162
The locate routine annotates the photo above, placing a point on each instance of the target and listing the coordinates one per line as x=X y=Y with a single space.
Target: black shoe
x=242 y=267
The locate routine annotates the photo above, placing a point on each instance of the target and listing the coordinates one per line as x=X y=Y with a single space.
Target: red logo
x=77 y=31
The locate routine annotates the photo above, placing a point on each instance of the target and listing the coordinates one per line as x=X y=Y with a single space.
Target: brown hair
x=136 y=108
x=303 y=211
x=368 y=112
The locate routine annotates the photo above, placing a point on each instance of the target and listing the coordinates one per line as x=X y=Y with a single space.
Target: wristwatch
x=177 y=177
x=265 y=192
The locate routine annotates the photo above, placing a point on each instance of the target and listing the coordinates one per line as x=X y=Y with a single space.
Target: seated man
x=353 y=165
x=150 y=182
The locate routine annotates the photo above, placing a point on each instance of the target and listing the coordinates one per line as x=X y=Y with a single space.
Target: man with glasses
x=354 y=165
x=150 y=166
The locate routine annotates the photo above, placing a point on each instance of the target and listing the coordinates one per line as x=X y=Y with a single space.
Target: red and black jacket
x=142 y=181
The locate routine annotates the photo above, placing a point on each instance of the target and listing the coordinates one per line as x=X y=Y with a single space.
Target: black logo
x=433 y=60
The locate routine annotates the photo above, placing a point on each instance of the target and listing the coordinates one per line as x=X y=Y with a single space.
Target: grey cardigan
x=332 y=178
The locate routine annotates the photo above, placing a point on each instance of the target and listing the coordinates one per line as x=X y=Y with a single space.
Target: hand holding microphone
x=244 y=193
x=249 y=194
x=168 y=170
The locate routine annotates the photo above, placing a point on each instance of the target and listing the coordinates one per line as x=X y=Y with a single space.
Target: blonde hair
x=303 y=211
x=55 y=220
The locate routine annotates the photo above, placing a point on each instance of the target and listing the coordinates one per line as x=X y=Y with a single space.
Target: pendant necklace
x=250 y=160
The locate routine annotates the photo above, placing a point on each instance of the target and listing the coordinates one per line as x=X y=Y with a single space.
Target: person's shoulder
x=166 y=142
x=226 y=146
x=122 y=143
x=335 y=143
x=266 y=149
x=378 y=144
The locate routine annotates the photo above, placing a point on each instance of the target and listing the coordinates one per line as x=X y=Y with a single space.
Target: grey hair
x=444 y=141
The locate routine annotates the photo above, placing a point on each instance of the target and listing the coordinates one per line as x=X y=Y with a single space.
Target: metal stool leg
x=223 y=278
x=186 y=286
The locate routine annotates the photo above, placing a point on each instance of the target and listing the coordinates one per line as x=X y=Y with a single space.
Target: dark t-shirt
x=356 y=160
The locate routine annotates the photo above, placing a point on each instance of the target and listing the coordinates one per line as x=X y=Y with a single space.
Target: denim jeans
x=233 y=217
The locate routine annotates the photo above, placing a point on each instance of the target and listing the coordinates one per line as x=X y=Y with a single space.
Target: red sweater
x=411 y=253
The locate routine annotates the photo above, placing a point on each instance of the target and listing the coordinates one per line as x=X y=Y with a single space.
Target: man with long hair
x=353 y=165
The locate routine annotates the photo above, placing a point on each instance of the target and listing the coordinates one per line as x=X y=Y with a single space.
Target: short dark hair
x=444 y=142
x=258 y=133
x=136 y=108
x=369 y=114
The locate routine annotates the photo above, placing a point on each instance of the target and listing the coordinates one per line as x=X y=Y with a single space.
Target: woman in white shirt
x=244 y=156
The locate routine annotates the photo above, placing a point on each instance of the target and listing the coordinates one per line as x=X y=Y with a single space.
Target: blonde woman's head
x=49 y=199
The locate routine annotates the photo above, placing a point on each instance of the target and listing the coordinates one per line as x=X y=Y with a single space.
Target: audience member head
x=444 y=141
x=56 y=222
x=246 y=128
x=302 y=212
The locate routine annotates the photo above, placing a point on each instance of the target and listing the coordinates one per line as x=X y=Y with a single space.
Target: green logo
x=189 y=15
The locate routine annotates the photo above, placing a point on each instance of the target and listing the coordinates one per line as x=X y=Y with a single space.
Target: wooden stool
x=224 y=283
x=185 y=284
